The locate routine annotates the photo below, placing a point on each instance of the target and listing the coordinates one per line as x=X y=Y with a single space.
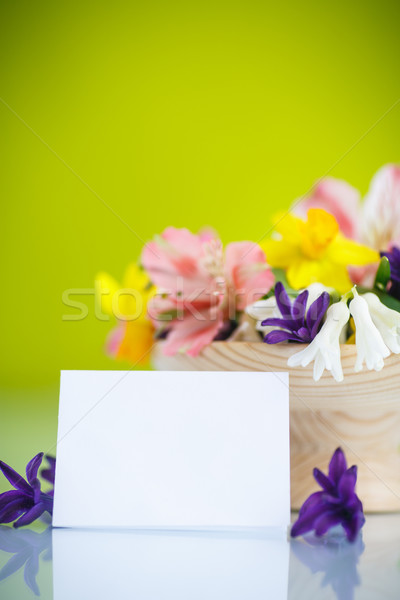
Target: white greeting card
x=172 y=450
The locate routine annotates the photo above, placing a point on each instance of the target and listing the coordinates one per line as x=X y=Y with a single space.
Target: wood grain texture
x=361 y=414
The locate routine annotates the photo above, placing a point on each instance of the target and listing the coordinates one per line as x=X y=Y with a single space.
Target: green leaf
x=388 y=300
x=280 y=275
x=170 y=315
x=383 y=274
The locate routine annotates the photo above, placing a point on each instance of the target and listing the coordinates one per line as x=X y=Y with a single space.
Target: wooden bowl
x=360 y=414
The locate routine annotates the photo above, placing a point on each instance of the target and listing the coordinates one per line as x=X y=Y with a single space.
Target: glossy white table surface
x=147 y=565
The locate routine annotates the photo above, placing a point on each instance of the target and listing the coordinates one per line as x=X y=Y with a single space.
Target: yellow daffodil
x=133 y=337
x=315 y=251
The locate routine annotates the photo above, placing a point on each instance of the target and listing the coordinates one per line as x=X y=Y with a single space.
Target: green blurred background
x=120 y=118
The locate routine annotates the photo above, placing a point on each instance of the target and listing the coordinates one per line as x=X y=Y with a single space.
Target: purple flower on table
x=49 y=473
x=337 y=504
x=298 y=323
x=393 y=257
x=26 y=502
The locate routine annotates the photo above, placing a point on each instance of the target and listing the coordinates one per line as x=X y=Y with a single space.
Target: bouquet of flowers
x=328 y=275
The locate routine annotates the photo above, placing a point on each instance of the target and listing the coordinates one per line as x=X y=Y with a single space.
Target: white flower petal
x=386 y=320
x=371 y=348
x=319 y=367
x=314 y=292
x=324 y=350
x=261 y=310
x=381 y=209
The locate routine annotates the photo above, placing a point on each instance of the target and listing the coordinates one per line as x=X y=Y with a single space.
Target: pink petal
x=247 y=272
x=175 y=261
x=381 y=211
x=183 y=241
x=364 y=276
x=192 y=334
x=161 y=307
x=114 y=339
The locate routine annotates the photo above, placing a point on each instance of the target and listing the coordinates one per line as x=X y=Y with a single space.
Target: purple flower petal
x=51 y=460
x=347 y=483
x=32 y=468
x=311 y=501
x=299 y=309
x=316 y=313
x=36 y=492
x=337 y=504
x=31 y=515
x=14 y=509
x=11 y=495
x=274 y=337
x=337 y=466
x=304 y=334
x=326 y=521
x=27 y=502
x=14 y=478
x=355 y=504
x=323 y=481
x=47 y=500
x=303 y=328
x=353 y=526
x=277 y=322
x=314 y=506
x=48 y=475
x=283 y=301
x=305 y=522
x=393 y=257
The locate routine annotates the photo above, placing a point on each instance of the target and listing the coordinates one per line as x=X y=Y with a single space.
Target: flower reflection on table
x=333 y=556
x=26 y=546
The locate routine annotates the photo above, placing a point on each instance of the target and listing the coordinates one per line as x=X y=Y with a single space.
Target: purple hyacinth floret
x=297 y=323
x=26 y=502
x=393 y=257
x=337 y=504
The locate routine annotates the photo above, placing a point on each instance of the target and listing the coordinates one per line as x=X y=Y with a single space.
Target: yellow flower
x=315 y=251
x=352 y=338
x=132 y=341
x=133 y=338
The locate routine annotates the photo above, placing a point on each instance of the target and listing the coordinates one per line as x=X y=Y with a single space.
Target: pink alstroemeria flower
x=201 y=287
x=381 y=209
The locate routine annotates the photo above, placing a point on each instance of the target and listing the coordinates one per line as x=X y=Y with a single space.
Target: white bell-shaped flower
x=386 y=320
x=261 y=310
x=324 y=350
x=314 y=292
x=371 y=348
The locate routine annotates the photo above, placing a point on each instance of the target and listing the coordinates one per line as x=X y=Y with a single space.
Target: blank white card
x=172 y=450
